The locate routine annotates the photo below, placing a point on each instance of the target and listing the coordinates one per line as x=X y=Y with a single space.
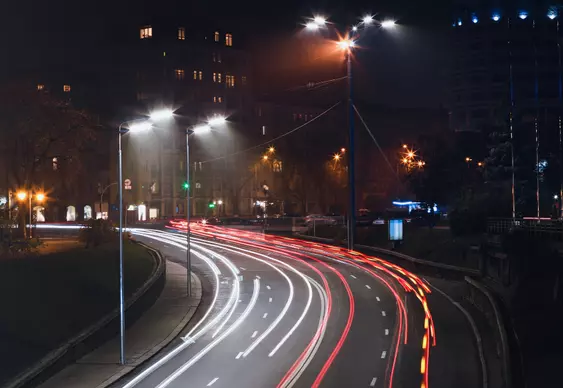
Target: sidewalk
x=155 y=329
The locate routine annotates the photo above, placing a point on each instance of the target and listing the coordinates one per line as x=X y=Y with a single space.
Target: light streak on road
x=204 y=351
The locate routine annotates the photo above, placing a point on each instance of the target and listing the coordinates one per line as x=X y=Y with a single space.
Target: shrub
x=96 y=232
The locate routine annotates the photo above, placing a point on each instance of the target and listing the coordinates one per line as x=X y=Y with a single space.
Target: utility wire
x=274 y=139
x=377 y=144
x=315 y=85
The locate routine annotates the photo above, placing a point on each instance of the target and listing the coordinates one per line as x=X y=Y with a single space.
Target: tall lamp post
x=22 y=195
x=133 y=126
x=218 y=120
x=348 y=44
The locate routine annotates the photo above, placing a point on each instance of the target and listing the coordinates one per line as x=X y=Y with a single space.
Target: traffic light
x=211 y=205
x=186 y=185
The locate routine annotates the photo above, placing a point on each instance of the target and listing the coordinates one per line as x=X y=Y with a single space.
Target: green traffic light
x=211 y=205
x=186 y=185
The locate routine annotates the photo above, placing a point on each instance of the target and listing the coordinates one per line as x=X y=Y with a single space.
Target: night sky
x=403 y=69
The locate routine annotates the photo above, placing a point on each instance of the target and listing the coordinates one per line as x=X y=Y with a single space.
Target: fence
x=545 y=228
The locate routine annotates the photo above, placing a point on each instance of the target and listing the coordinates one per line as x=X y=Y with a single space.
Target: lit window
x=66 y=88
x=243 y=79
x=146 y=32
x=142 y=96
x=55 y=164
x=230 y=79
x=220 y=99
x=179 y=74
x=219 y=77
x=228 y=40
x=214 y=77
x=214 y=98
x=40 y=86
x=277 y=166
x=181 y=33
x=216 y=37
x=200 y=75
x=195 y=74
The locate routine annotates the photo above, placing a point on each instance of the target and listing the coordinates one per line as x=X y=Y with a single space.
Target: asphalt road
x=289 y=313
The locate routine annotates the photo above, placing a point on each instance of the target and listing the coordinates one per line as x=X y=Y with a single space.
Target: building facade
x=506 y=77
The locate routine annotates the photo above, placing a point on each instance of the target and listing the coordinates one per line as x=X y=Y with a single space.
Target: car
x=319 y=219
x=211 y=221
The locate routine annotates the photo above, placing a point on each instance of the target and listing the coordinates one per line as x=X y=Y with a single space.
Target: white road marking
x=383 y=354
x=212 y=381
x=353 y=276
x=240 y=300
x=386 y=331
x=270 y=300
x=377 y=298
x=238 y=355
x=244 y=269
x=373 y=381
x=240 y=278
x=253 y=335
x=383 y=313
x=368 y=287
x=268 y=287
x=265 y=315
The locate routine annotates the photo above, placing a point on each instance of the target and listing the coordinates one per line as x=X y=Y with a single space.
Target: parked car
x=319 y=219
x=369 y=218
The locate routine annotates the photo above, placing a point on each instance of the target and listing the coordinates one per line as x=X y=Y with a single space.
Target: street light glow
x=40 y=197
x=319 y=20
x=217 y=120
x=343 y=150
x=312 y=26
x=265 y=157
x=368 y=19
x=336 y=157
x=355 y=28
x=202 y=128
x=388 y=24
x=140 y=127
x=271 y=149
x=21 y=195
x=163 y=114
x=346 y=44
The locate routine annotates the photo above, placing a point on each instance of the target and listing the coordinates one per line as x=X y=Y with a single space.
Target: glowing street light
x=336 y=157
x=312 y=26
x=201 y=128
x=217 y=120
x=40 y=197
x=22 y=195
x=140 y=127
x=388 y=24
x=271 y=149
x=343 y=150
x=354 y=28
x=346 y=44
x=265 y=157
x=319 y=20
x=164 y=114
x=410 y=154
x=367 y=20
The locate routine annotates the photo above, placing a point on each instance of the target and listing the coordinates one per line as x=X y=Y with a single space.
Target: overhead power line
x=269 y=142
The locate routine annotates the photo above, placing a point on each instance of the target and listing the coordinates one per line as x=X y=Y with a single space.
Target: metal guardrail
x=483 y=300
x=544 y=227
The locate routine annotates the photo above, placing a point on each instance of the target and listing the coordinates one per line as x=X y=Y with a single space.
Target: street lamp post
x=189 y=131
x=137 y=125
x=347 y=45
x=102 y=197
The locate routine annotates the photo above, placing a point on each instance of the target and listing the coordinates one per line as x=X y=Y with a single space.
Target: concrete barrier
x=98 y=332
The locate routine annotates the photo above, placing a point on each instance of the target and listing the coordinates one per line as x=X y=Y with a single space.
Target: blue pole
x=351 y=160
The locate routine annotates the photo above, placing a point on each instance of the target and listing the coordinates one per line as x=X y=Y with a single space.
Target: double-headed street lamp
x=133 y=126
x=213 y=122
x=347 y=44
x=22 y=195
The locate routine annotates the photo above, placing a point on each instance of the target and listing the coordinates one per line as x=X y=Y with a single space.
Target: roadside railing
x=552 y=229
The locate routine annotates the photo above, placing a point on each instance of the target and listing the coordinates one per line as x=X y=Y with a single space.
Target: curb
x=478 y=338
x=506 y=370
x=132 y=366
x=414 y=260
x=32 y=373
